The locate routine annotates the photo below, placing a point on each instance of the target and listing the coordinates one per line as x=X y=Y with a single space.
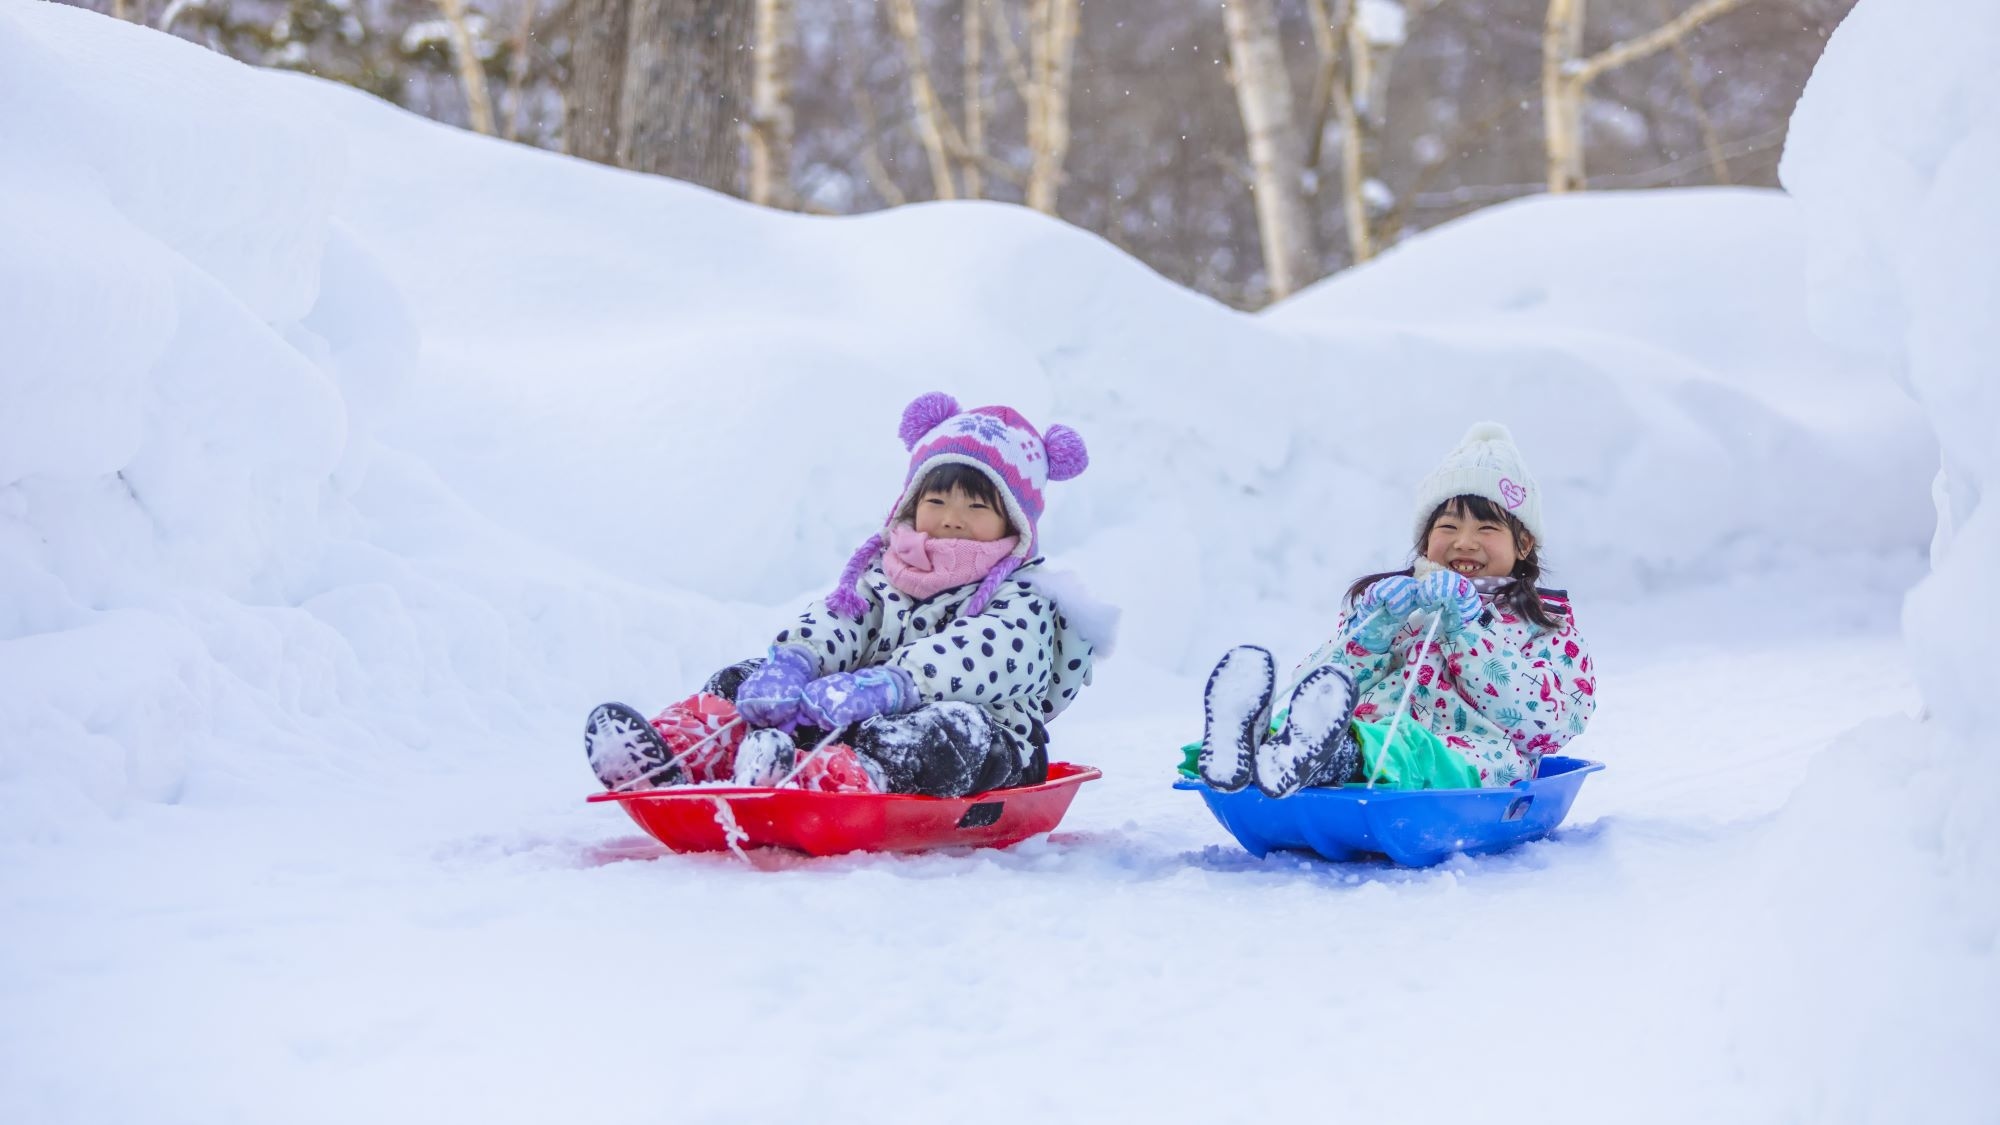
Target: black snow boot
x=1315 y=732
x=1236 y=711
x=625 y=751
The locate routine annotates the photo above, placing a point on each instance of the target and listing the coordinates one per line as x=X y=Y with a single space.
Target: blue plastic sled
x=1414 y=827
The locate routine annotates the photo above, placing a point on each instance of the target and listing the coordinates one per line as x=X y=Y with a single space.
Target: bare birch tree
x=1566 y=76
x=771 y=99
x=1277 y=151
x=973 y=67
x=932 y=124
x=1052 y=41
x=471 y=73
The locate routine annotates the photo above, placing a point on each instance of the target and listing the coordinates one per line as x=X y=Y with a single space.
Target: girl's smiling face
x=956 y=514
x=1475 y=545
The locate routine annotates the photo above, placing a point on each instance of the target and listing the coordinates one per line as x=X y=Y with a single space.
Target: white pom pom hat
x=1486 y=463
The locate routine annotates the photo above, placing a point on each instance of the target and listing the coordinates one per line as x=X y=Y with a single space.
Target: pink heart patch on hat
x=1513 y=493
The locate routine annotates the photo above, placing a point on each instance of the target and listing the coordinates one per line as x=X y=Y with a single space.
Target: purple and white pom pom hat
x=1019 y=459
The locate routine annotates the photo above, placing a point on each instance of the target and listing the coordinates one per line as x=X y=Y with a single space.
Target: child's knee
x=703 y=731
x=726 y=682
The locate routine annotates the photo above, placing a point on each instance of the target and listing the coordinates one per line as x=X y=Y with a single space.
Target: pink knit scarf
x=921 y=566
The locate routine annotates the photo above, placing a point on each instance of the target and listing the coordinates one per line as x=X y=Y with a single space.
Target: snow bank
x=1895 y=179
x=1892 y=155
x=203 y=578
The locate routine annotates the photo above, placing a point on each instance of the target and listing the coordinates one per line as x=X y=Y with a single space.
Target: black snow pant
x=938 y=750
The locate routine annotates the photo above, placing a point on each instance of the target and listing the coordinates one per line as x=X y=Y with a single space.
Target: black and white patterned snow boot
x=764 y=759
x=1342 y=766
x=625 y=751
x=1236 y=711
x=1315 y=731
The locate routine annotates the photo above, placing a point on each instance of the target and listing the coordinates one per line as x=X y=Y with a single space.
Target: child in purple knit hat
x=932 y=667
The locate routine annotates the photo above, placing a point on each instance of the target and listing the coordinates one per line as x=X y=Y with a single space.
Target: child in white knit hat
x=1485 y=667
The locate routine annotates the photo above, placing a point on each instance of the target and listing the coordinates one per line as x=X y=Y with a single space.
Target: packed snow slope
x=346 y=460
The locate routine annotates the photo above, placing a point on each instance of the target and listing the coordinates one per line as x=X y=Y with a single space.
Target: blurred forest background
x=1242 y=149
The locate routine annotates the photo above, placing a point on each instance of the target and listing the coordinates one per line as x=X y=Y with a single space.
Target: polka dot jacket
x=1021 y=659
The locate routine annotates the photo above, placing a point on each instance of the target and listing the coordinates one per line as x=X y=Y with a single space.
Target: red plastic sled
x=717 y=819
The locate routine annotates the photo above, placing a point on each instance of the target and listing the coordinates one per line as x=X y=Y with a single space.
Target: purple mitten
x=769 y=697
x=1450 y=595
x=845 y=698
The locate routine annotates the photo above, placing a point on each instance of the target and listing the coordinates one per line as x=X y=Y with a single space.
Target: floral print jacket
x=1502 y=691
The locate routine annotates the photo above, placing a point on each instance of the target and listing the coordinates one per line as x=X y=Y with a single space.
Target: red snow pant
x=706 y=719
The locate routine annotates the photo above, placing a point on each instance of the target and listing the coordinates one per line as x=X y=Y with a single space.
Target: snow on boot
x=623 y=749
x=1236 y=710
x=838 y=769
x=1314 y=731
x=764 y=759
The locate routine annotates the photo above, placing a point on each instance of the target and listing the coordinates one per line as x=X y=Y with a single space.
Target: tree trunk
x=1333 y=35
x=1326 y=46
x=517 y=68
x=1354 y=177
x=1562 y=95
x=1264 y=98
x=930 y=117
x=597 y=79
x=1052 y=37
x=471 y=74
x=686 y=94
x=1718 y=161
x=974 y=71
x=597 y=31
x=1010 y=53
x=771 y=127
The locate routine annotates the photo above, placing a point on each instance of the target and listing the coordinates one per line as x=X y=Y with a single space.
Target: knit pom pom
x=1486 y=431
x=846 y=603
x=923 y=416
x=1067 y=456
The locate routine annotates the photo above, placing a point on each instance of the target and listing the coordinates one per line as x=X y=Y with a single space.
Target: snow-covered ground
x=346 y=460
x=475 y=947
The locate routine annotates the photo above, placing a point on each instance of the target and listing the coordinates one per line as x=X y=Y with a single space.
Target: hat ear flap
x=923 y=415
x=1067 y=456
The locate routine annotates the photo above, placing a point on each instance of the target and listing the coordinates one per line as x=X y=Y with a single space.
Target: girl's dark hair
x=1523 y=598
x=956 y=477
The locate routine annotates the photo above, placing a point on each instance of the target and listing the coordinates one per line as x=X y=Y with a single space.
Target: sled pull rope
x=733 y=834
x=1403 y=707
x=677 y=759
